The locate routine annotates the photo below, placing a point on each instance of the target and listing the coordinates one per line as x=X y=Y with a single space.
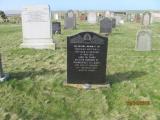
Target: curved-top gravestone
x=106 y=25
x=37 y=27
x=86 y=58
x=144 y=40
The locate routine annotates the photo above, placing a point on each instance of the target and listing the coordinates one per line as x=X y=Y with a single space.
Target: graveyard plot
x=35 y=89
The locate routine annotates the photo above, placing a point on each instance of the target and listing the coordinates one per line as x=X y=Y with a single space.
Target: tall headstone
x=70 y=20
x=144 y=40
x=106 y=25
x=86 y=58
x=37 y=27
x=56 y=27
x=146 y=19
x=3 y=76
x=92 y=18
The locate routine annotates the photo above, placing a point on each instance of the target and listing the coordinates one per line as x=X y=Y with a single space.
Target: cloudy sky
x=84 y=4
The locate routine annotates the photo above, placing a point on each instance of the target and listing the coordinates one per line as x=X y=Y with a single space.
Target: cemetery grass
x=35 y=89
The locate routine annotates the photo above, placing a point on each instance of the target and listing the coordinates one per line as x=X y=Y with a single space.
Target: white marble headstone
x=37 y=27
x=56 y=17
x=144 y=40
x=92 y=17
x=107 y=14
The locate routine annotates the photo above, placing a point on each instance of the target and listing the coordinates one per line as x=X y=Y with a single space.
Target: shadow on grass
x=33 y=73
x=127 y=76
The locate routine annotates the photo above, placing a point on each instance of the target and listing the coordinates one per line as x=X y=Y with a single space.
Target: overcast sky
x=84 y=4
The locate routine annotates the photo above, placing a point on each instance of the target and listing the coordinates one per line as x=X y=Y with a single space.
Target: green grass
x=35 y=90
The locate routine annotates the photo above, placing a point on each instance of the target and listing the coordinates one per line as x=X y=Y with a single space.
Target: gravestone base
x=86 y=86
x=40 y=45
x=4 y=78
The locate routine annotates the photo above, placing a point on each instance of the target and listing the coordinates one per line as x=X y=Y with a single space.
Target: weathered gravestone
x=144 y=40
x=37 y=27
x=86 y=58
x=70 y=20
x=146 y=19
x=56 y=27
x=137 y=18
x=56 y=17
x=106 y=25
x=113 y=22
x=92 y=18
x=107 y=14
x=3 y=76
x=118 y=19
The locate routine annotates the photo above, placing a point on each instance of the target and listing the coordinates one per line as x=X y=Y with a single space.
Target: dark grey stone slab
x=106 y=25
x=56 y=27
x=86 y=58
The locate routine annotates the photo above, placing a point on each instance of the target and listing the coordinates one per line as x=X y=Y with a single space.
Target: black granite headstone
x=56 y=27
x=86 y=58
x=106 y=25
x=113 y=22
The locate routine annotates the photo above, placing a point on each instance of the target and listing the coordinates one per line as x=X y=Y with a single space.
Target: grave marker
x=37 y=27
x=106 y=25
x=144 y=40
x=56 y=27
x=70 y=20
x=86 y=58
x=92 y=18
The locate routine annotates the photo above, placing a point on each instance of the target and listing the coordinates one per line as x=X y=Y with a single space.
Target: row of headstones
x=82 y=15
x=70 y=19
x=37 y=26
x=143 y=18
x=106 y=25
x=37 y=32
x=144 y=35
x=86 y=51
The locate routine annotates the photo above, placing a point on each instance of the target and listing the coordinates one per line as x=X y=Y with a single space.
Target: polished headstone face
x=86 y=58
x=36 y=26
x=56 y=27
x=144 y=40
x=106 y=25
x=70 y=20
